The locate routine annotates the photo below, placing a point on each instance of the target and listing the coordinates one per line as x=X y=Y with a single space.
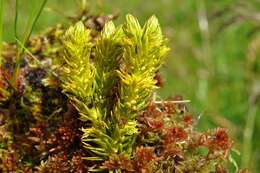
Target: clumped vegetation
x=83 y=99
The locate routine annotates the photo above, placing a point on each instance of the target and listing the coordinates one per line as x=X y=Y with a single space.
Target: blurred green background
x=214 y=59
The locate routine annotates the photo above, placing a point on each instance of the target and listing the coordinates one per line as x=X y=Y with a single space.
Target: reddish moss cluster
x=167 y=142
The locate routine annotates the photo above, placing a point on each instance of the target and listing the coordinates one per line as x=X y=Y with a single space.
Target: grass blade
x=16 y=19
x=28 y=31
x=1 y=27
x=36 y=19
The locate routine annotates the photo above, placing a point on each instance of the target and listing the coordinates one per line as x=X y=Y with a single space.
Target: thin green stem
x=34 y=58
x=248 y=135
x=205 y=59
x=16 y=19
x=1 y=27
x=36 y=19
x=28 y=31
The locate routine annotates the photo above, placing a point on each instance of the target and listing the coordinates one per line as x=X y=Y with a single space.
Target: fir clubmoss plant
x=110 y=91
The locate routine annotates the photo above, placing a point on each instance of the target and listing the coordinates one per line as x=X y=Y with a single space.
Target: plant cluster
x=84 y=100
